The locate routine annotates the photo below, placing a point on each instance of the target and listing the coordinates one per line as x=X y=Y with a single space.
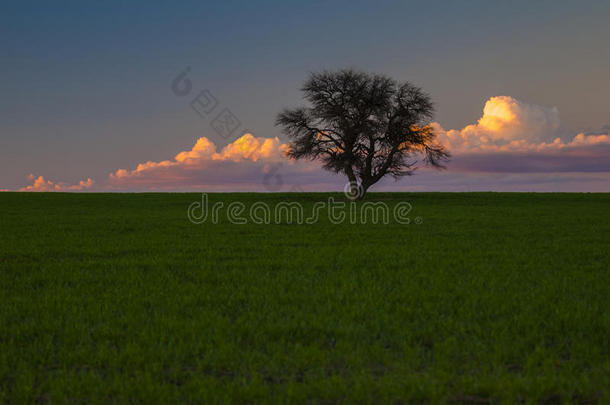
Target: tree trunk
x=354 y=192
x=364 y=187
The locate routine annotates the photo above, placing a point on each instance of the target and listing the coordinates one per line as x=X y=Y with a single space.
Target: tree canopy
x=365 y=126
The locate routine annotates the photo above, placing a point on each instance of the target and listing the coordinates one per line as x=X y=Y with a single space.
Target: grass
x=495 y=297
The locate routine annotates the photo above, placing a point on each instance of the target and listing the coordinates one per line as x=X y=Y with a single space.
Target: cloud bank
x=512 y=146
x=516 y=137
x=238 y=166
x=41 y=184
x=509 y=125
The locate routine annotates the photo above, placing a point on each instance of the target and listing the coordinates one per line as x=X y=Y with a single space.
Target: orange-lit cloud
x=40 y=184
x=516 y=137
x=509 y=125
x=203 y=166
x=513 y=146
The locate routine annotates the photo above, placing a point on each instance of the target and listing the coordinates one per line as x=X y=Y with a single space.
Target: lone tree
x=363 y=125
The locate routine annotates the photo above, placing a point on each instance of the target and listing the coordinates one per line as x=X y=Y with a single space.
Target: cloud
x=512 y=136
x=505 y=120
x=242 y=164
x=40 y=184
x=514 y=146
x=248 y=164
x=567 y=159
x=464 y=181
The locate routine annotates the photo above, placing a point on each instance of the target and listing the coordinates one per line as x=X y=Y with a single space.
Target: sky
x=87 y=104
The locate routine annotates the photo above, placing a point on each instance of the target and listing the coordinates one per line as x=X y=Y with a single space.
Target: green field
x=494 y=297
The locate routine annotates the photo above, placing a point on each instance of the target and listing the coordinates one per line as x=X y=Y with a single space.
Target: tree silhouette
x=364 y=125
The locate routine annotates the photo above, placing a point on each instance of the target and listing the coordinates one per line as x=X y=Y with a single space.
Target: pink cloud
x=242 y=164
x=40 y=184
x=513 y=146
x=512 y=136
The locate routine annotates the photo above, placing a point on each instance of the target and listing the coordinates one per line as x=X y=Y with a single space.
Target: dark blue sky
x=86 y=85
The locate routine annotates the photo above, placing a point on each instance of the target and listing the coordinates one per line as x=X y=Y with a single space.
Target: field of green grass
x=493 y=298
